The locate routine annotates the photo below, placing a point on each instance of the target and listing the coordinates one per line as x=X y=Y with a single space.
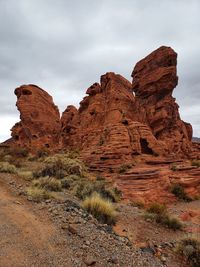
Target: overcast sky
x=64 y=46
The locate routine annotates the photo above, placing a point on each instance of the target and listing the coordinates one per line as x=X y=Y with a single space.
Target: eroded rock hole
x=145 y=149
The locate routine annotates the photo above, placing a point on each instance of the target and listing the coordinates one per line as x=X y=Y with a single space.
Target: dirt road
x=25 y=239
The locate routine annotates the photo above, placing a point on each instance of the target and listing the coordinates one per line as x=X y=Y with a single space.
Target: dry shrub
x=102 y=209
x=7 y=167
x=158 y=212
x=38 y=194
x=26 y=175
x=190 y=248
x=48 y=183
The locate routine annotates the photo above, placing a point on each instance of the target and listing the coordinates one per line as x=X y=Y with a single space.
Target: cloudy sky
x=65 y=45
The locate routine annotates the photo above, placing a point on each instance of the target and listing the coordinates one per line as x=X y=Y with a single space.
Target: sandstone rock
x=116 y=123
x=105 y=128
x=40 y=120
x=154 y=79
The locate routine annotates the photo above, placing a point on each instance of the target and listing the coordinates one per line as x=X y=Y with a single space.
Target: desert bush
x=38 y=194
x=157 y=208
x=70 y=181
x=124 y=167
x=170 y=222
x=102 y=209
x=7 y=167
x=173 y=167
x=48 y=183
x=179 y=192
x=195 y=163
x=42 y=153
x=190 y=248
x=26 y=175
x=158 y=212
x=7 y=158
x=86 y=188
x=137 y=203
x=59 y=166
x=18 y=152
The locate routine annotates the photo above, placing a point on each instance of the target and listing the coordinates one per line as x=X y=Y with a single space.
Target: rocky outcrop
x=117 y=126
x=40 y=124
x=105 y=128
x=154 y=79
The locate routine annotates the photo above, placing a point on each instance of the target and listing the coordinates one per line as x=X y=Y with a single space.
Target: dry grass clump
x=38 y=194
x=7 y=167
x=179 y=192
x=102 y=209
x=44 y=188
x=48 y=183
x=190 y=248
x=26 y=175
x=86 y=188
x=60 y=166
x=157 y=208
x=158 y=213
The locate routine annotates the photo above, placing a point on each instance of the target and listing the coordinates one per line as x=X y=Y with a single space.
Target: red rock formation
x=154 y=79
x=40 y=120
x=113 y=127
x=105 y=127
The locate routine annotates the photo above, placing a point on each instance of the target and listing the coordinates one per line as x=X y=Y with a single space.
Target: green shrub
x=190 y=248
x=124 y=167
x=48 y=183
x=7 y=167
x=179 y=192
x=102 y=209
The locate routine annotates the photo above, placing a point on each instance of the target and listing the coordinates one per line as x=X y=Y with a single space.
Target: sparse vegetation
x=137 y=203
x=102 y=209
x=60 y=166
x=190 y=248
x=124 y=167
x=173 y=167
x=158 y=213
x=26 y=175
x=48 y=183
x=18 y=152
x=7 y=167
x=195 y=163
x=179 y=192
x=42 y=153
x=38 y=194
x=157 y=208
x=86 y=188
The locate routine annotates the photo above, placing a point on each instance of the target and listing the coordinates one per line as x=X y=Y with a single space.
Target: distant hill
x=196 y=139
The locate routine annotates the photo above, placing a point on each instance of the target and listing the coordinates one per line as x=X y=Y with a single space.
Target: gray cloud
x=65 y=45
